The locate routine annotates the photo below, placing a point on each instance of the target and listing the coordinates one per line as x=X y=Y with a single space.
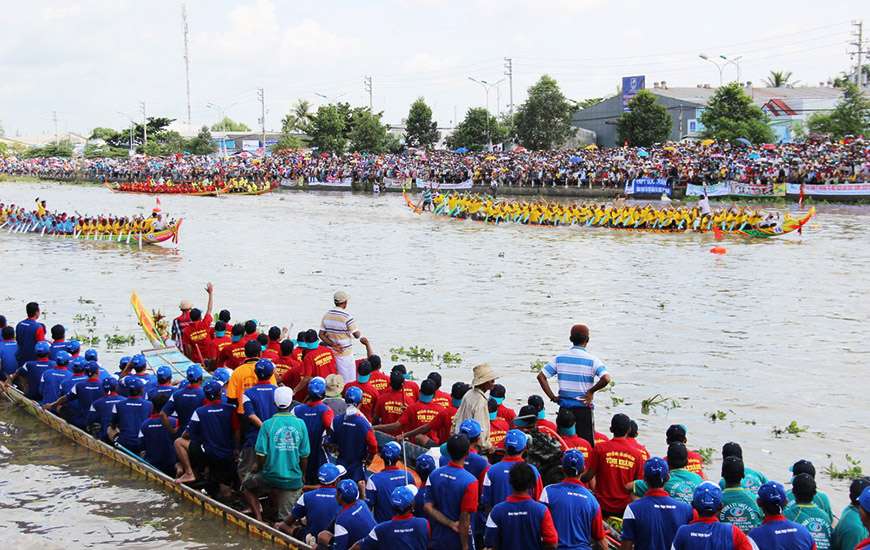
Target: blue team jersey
x=451 y=490
x=778 y=533
x=319 y=507
x=475 y=464
x=519 y=524
x=8 y=358
x=403 y=532
x=25 y=335
x=101 y=412
x=129 y=415
x=161 y=389
x=56 y=346
x=497 y=486
x=576 y=514
x=211 y=427
x=258 y=400
x=352 y=524
x=317 y=416
x=379 y=488
x=708 y=534
x=157 y=442
x=420 y=501
x=81 y=396
x=652 y=522
x=32 y=372
x=183 y=402
x=150 y=381
x=350 y=432
x=51 y=382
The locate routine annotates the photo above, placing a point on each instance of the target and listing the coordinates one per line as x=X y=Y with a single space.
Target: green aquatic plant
x=707 y=454
x=414 y=353
x=852 y=470
x=792 y=429
x=114 y=341
x=89 y=340
x=718 y=415
x=450 y=358
x=658 y=400
x=537 y=365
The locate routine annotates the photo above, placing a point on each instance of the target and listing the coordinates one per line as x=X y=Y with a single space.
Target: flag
x=801 y=197
x=157 y=207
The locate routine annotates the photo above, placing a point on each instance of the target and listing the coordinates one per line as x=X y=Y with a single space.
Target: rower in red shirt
x=498 y=393
x=233 y=355
x=392 y=402
x=369 y=393
x=195 y=335
x=537 y=402
x=287 y=368
x=421 y=412
x=442 y=424
x=267 y=352
x=566 y=426
x=615 y=465
x=442 y=399
x=378 y=380
x=317 y=360
x=276 y=335
x=219 y=340
x=600 y=438
x=412 y=389
x=498 y=426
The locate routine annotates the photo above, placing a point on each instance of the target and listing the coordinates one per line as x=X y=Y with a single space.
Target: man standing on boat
x=338 y=330
x=27 y=333
x=576 y=370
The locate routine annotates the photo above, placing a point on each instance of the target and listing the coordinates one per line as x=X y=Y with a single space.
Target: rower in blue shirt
x=575 y=511
x=318 y=417
x=403 y=531
x=156 y=441
x=139 y=364
x=8 y=353
x=207 y=442
x=91 y=355
x=651 y=523
x=496 y=485
x=520 y=523
x=184 y=401
x=379 y=488
x=164 y=385
x=53 y=378
x=28 y=333
x=58 y=341
x=424 y=466
x=258 y=402
x=128 y=415
x=32 y=370
x=353 y=435
x=707 y=532
x=475 y=464
x=776 y=532
x=318 y=507
x=353 y=521
x=100 y=413
x=451 y=497
x=74 y=347
x=69 y=410
x=81 y=396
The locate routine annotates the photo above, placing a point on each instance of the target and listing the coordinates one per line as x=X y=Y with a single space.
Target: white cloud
x=309 y=42
x=425 y=63
x=61 y=11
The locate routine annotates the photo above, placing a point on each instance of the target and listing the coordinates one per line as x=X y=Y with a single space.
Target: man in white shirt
x=338 y=330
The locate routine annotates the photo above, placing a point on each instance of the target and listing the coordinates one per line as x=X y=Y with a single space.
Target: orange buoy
x=718 y=250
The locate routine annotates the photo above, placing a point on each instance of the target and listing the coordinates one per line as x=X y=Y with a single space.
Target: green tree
x=162 y=143
x=476 y=131
x=543 y=121
x=63 y=148
x=202 y=144
x=108 y=134
x=586 y=103
x=3 y=149
x=368 y=134
x=420 y=129
x=730 y=114
x=646 y=123
x=298 y=119
x=229 y=125
x=851 y=116
x=327 y=129
x=104 y=151
x=779 y=79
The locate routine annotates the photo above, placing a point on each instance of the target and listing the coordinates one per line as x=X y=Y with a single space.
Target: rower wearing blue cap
x=451 y=497
x=74 y=347
x=424 y=466
x=31 y=371
x=139 y=365
x=353 y=522
x=576 y=514
x=864 y=511
x=353 y=435
x=164 y=384
x=318 y=417
x=207 y=441
x=380 y=485
x=157 y=440
x=53 y=378
x=403 y=530
x=706 y=532
x=496 y=485
x=520 y=522
x=776 y=532
x=81 y=396
x=128 y=415
x=100 y=413
x=318 y=506
x=652 y=522
x=184 y=401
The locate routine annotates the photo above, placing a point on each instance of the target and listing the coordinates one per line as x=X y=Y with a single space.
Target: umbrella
x=769 y=147
x=591 y=147
x=754 y=156
x=461 y=150
x=489 y=157
x=706 y=142
x=744 y=141
x=642 y=153
x=574 y=159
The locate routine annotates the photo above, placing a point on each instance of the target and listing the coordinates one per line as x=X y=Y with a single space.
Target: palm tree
x=298 y=118
x=779 y=79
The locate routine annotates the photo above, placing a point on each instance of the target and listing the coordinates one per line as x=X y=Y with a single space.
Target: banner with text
x=343 y=182
x=758 y=190
x=648 y=186
x=721 y=189
x=833 y=190
x=444 y=186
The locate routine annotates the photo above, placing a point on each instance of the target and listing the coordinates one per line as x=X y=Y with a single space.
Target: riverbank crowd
x=294 y=430
x=812 y=162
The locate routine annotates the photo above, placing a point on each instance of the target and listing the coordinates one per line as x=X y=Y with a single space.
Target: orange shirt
x=243 y=378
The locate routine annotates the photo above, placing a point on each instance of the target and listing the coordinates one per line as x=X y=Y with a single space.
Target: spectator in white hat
x=338 y=330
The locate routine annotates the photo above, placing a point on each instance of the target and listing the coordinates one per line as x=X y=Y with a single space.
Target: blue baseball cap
x=78 y=364
x=212 y=390
x=138 y=362
x=656 y=468
x=347 y=490
x=391 y=452
x=92 y=368
x=194 y=373
x=110 y=384
x=330 y=473
x=864 y=499
x=515 y=441
x=425 y=464
x=42 y=348
x=573 y=460
x=73 y=346
x=264 y=369
x=133 y=384
x=773 y=493
x=707 y=497
x=63 y=358
x=164 y=374
x=91 y=355
x=471 y=428
x=353 y=395
x=402 y=497
x=123 y=362
x=317 y=387
x=222 y=375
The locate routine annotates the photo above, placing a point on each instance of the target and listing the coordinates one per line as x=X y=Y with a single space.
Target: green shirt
x=739 y=508
x=816 y=520
x=820 y=500
x=850 y=531
x=680 y=486
x=752 y=480
x=283 y=440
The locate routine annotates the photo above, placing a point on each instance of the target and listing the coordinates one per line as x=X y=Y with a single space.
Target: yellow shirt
x=243 y=378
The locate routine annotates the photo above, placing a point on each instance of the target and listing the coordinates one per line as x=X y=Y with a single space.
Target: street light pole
x=132 y=125
x=733 y=61
x=487 y=86
x=705 y=57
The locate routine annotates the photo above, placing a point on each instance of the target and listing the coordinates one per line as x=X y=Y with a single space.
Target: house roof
x=778 y=107
x=760 y=96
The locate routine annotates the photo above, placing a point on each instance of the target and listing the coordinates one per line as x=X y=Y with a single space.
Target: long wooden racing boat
x=119 y=188
x=138 y=466
x=152 y=237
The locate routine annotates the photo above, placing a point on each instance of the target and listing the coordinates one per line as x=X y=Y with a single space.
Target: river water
x=772 y=332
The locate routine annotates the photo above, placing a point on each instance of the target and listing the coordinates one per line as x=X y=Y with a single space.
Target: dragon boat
x=232 y=187
x=69 y=230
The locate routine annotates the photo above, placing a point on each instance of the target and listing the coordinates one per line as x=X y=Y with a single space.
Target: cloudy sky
x=91 y=60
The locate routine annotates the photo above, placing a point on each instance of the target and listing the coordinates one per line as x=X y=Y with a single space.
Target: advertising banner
x=648 y=186
x=756 y=190
x=332 y=182
x=630 y=86
x=721 y=189
x=444 y=186
x=250 y=145
x=833 y=190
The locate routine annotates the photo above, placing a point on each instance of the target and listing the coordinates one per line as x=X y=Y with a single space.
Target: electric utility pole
x=54 y=118
x=262 y=97
x=144 y=124
x=367 y=83
x=186 y=57
x=858 y=35
x=509 y=73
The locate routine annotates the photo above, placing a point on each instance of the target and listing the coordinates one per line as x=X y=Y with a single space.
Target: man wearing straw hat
x=475 y=404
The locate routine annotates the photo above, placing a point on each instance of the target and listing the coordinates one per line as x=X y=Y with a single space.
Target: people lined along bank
x=597 y=214
x=41 y=220
x=269 y=424
x=811 y=162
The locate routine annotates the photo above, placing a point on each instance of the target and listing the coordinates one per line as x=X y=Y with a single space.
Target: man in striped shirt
x=576 y=370
x=338 y=330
